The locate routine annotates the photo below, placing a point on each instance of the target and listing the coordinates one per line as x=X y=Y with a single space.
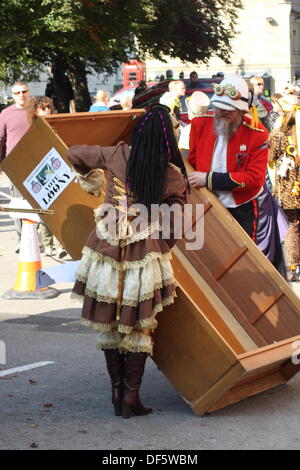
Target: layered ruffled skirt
x=124 y=312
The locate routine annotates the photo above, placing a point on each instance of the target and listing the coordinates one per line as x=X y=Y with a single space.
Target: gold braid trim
x=94 y=255
x=242 y=185
x=252 y=128
x=209 y=181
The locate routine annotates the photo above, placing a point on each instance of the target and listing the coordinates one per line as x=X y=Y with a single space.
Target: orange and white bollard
x=29 y=263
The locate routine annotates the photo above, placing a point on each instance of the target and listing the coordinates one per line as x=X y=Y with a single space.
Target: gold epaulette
x=253 y=128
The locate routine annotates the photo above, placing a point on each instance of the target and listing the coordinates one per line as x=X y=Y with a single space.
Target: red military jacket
x=247 y=156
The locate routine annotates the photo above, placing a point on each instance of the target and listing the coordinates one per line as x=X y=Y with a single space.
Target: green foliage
x=104 y=32
x=79 y=36
x=188 y=29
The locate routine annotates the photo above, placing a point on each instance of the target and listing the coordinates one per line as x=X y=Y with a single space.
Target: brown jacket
x=114 y=161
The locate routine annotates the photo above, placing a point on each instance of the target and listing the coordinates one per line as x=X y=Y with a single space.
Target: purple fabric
x=272 y=225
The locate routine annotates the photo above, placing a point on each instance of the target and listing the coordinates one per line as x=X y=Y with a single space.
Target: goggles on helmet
x=228 y=90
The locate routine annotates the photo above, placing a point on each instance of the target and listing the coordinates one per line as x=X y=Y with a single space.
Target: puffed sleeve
x=87 y=157
x=90 y=161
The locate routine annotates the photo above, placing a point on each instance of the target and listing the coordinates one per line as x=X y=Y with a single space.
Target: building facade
x=267 y=44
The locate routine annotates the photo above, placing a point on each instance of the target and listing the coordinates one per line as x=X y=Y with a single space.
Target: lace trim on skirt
x=91 y=255
x=113 y=300
x=126 y=338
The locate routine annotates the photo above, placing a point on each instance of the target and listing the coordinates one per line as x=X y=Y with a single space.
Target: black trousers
x=247 y=216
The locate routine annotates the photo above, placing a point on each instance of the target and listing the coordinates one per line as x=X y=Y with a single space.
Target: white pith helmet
x=231 y=94
x=197 y=103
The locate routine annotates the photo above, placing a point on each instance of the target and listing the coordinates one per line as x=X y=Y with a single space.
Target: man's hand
x=197 y=179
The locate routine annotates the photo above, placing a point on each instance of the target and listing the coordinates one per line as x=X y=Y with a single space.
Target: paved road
x=66 y=404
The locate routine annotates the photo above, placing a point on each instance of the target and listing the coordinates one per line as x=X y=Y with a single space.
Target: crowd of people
x=242 y=147
x=252 y=169
x=15 y=121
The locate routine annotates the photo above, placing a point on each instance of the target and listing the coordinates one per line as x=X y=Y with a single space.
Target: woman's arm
x=87 y=157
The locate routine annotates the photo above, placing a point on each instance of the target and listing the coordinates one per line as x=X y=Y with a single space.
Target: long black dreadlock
x=153 y=146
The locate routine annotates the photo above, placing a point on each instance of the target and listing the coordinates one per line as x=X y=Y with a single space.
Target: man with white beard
x=230 y=153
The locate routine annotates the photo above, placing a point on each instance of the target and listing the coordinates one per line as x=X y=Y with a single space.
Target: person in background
x=197 y=105
x=229 y=155
x=35 y=107
x=273 y=121
x=126 y=102
x=101 y=102
x=123 y=308
x=276 y=112
x=172 y=97
x=285 y=152
x=141 y=87
x=194 y=80
x=291 y=90
x=169 y=74
x=272 y=223
x=229 y=150
x=59 y=88
x=264 y=107
x=38 y=106
x=13 y=125
x=259 y=114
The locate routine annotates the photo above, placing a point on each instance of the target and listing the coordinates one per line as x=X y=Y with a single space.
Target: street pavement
x=65 y=404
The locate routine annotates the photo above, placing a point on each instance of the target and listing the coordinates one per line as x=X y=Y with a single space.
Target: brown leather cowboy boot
x=134 y=371
x=115 y=367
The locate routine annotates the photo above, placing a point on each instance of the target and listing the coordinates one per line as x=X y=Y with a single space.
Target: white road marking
x=22 y=368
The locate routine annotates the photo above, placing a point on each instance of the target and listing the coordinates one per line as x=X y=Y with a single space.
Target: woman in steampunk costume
x=285 y=152
x=125 y=276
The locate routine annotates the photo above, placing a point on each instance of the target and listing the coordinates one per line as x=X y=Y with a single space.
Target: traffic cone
x=29 y=264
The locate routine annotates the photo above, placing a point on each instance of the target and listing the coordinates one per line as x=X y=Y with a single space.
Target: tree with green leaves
x=76 y=37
